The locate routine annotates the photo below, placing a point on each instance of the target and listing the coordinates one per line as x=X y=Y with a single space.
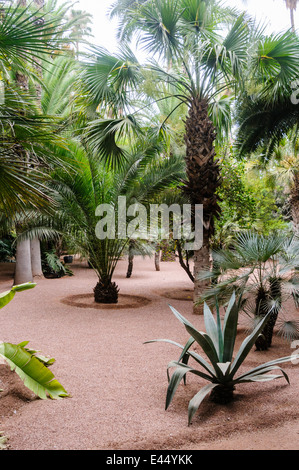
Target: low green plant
x=7 y=251
x=31 y=366
x=220 y=367
x=53 y=267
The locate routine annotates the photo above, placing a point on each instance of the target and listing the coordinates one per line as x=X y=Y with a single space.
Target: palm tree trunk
x=36 y=260
x=203 y=180
x=106 y=292
x=23 y=270
x=261 y=309
x=294 y=201
x=130 y=263
x=265 y=339
x=263 y=303
x=276 y=295
x=157 y=257
x=28 y=255
x=167 y=251
x=292 y=20
x=292 y=6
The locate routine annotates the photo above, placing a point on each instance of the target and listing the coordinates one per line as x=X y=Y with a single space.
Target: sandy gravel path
x=118 y=384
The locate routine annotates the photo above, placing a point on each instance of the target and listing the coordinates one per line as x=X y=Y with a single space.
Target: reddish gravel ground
x=118 y=384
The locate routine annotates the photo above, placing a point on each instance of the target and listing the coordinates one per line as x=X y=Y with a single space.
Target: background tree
x=292 y=6
x=200 y=65
x=267 y=112
x=31 y=39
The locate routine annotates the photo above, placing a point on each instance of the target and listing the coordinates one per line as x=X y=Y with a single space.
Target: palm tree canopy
x=266 y=112
x=144 y=175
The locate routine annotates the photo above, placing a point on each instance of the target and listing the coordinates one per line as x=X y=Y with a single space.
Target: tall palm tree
x=292 y=6
x=28 y=36
x=264 y=269
x=285 y=172
x=200 y=65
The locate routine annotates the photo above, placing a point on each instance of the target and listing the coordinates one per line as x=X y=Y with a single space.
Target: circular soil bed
x=177 y=294
x=124 y=301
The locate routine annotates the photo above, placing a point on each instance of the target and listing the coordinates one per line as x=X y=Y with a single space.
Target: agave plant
x=220 y=370
x=30 y=365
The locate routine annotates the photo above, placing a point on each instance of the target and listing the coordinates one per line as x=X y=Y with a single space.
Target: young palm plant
x=265 y=268
x=145 y=173
x=221 y=366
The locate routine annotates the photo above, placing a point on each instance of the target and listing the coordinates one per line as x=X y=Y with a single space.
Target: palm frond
x=288 y=329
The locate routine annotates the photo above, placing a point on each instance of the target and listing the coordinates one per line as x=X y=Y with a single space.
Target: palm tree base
x=261 y=343
x=106 y=294
x=222 y=394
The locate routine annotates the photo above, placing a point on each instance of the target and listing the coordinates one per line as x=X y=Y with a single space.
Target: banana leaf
x=34 y=373
x=7 y=296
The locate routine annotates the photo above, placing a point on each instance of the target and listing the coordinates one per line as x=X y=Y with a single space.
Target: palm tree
x=284 y=171
x=137 y=247
x=21 y=123
x=29 y=40
x=200 y=65
x=266 y=114
x=264 y=268
x=144 y=175
x=292 y=6
x=121 y=9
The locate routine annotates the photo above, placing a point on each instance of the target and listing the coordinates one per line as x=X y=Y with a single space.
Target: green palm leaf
x=21 y=37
